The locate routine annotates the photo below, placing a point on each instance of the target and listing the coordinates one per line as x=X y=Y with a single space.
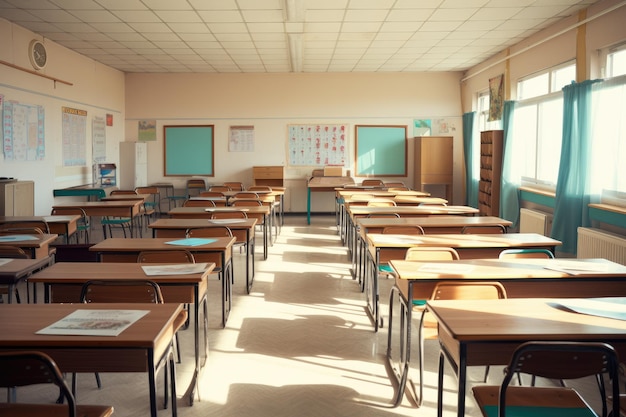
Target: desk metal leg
x=308 y=205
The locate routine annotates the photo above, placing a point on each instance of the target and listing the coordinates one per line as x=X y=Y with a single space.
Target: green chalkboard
x=188 y=150
x=381 y=150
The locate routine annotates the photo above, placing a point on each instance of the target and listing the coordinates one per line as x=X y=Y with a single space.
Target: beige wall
x=96 y=88
x=550 y=47
x=270 y=102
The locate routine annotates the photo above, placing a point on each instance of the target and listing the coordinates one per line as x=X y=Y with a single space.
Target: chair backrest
x=121 y=291
x=179 y=256
x=246 y=194
x=404 y=230
x=526 y=253
x=240 y=202
x=373 y=183
x=381 y=202
x=383 y=215
x=234 y=185
x=24 y=368
x=398 y=189
x=218 y=194
x=259 y=188
x=429 y=253
x=198 y=203
x=14 y=252
x=153 y=191
x=229 y=214
x=395 y=184
x=484 y=230
x=220 y=188
x=42 y=225
x=564 y=360
x=21 y=231
x=217 y=231
x=468 y=290
x=84 y=219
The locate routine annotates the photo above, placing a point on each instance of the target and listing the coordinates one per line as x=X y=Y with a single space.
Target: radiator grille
x=596 y=243
x=535 y=221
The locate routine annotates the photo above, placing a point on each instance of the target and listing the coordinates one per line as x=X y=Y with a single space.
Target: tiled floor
x=300 y=344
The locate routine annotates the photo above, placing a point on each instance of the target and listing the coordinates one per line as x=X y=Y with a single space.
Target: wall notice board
x=381 y=150
x=188 y=150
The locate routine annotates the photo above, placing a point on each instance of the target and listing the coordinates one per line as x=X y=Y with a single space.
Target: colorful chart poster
x=23 y=132
x=317 y=145
x=74 y=136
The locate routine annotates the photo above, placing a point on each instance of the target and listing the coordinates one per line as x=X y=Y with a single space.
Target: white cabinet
x=133 y=169
x=17 y=198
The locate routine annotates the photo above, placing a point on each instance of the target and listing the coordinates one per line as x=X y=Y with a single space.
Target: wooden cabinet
x=491 y=142
x=133 y=165
x=433 y=162
x=17 y=198
x=273 y=176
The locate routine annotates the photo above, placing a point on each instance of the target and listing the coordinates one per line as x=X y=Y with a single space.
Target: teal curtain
x=510 y=183
x=572 y=189
x=471 y=179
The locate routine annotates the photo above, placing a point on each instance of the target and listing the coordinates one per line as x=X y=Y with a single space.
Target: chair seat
x=533 y=401
x=52 y=410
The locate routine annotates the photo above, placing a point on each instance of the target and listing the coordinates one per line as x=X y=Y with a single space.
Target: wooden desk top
x=57 y=218
x=356 y=211
x=434 y=221
x=99 y=204
x=199 y=223
x=38 y=242
x=328 y=183
x=16 y=269
x=80 y=272
x=146 y=333
x=505 y=269
x=349 y=192
x=118 y=197
x=206 y=211
x=457 y=241
x=120 y=244
x=519 y=320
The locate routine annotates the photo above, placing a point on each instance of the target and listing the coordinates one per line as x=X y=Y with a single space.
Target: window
x=537 y=124
x=616 y=62
x=483 y=114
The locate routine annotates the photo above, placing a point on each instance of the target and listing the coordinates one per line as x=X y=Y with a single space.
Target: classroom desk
x=323 y=184
x=522 y=278
x=63 y=282
x=60 y=224
x=139 y=348
x=383 y=248
x=268 y=200
x=219 y=251
x=242 y=229
x=486 y=332
x=88 y=191
x=261 y=213
x=12 y=271
x=35 y=246
x=432 y=225
x=278 y=194
x=116 y=208
x=122 y=197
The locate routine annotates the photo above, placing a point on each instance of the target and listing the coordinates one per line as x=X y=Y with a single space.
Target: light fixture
x=295 y=51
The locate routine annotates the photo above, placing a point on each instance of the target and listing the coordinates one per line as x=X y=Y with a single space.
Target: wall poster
x=23 y=131
x=99 y=140
x=317 y=145
x=74 y=136
x=241 y=139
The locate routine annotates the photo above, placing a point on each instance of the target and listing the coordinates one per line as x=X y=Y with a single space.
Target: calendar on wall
x=317 y=144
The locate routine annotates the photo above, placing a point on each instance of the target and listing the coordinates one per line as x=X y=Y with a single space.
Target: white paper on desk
x=576 y=267
x=396 y=239
x=446 y=268
x=4 y=261
x=175 y=269
x=94 y=322
x=611 y=307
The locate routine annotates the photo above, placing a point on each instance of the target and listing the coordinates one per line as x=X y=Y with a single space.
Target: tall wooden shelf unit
x=273 y=176
x=491 y=142
x=17 y=198
x=433 y=162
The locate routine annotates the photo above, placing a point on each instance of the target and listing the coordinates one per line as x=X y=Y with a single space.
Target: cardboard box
x=334 y=171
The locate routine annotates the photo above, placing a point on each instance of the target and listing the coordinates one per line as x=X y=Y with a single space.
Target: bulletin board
x=188 y=150
x=317 y=145
x=381 y=150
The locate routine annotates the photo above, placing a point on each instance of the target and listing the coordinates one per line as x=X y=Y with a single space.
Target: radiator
x=596 y=243
x=535 y=221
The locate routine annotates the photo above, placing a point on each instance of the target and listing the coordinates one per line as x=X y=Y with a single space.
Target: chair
x=111 y=222
x=554 y=360
x=217 y=194
x=526 y=253
x=25 y=368
x=259 y=188
x=395 y=184
x=229 y=214
x=82 y=225
x=245 y=202
x=195 y=186
x=217 y=231
x=136 y=291
x=152 y=206
x=41 y=225
x=199 y=203
x=246 y=194
x=484 y=230
x=404 y=230
x=166 y=256
x=234 y=185
x=373 y=183
x=220 y=188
